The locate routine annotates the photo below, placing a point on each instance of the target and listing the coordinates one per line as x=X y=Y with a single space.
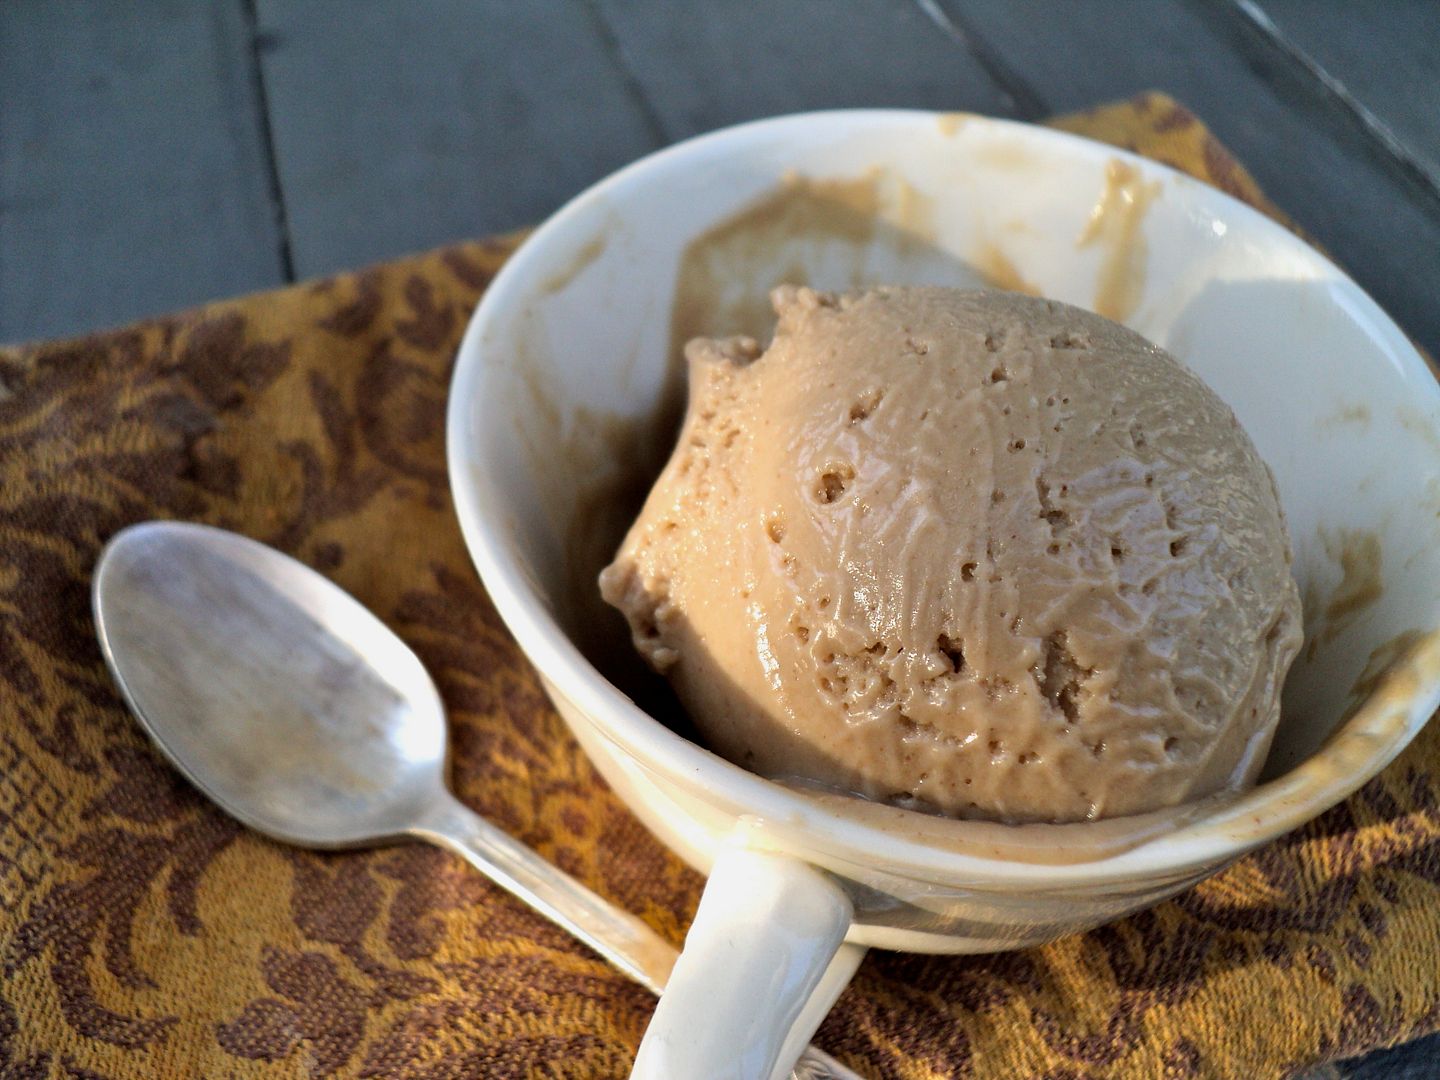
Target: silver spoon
x=297 y=711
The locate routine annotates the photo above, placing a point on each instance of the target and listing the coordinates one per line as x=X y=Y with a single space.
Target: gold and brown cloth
x=144 y=934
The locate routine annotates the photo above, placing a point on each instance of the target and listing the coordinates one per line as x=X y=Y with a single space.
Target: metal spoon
x=297 y=711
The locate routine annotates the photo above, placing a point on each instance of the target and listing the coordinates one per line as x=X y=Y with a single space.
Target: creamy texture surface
x=970 y=552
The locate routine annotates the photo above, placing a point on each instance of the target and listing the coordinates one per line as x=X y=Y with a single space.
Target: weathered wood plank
x=1384 y=60
x=402 y=126
x=1313 y=160
x=132 y=167
x=703 y=66
x=1411 y=1061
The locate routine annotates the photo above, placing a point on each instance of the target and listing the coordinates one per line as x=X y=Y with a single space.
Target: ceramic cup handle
x=761 y=966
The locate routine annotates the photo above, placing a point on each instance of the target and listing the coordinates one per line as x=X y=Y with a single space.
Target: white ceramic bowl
x=570 y=354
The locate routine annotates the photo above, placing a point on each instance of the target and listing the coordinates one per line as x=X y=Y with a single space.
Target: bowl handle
x=762 y=964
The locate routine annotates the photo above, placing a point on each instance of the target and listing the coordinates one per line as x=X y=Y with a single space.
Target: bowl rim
x=1356 y=751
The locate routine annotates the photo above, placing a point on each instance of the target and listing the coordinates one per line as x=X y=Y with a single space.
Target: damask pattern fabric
x=143 y=934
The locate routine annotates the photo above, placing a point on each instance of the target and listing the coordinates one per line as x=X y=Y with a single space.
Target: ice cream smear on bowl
x=970 y=552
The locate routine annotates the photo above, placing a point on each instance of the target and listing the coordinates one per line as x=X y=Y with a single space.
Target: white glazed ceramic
x=1340 y=405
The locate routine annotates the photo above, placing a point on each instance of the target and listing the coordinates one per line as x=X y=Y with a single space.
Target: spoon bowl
x=341 y=742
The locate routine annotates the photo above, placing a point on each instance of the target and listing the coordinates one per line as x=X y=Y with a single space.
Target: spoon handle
x=626 y=941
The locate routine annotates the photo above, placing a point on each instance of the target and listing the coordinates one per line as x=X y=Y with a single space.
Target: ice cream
x=970 y=552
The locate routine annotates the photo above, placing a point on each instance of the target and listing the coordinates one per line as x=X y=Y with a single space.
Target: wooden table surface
x=159 y=153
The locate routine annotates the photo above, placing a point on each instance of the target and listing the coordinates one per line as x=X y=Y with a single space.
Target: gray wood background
x=158 y=153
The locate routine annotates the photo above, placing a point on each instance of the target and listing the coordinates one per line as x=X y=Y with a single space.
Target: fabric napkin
x=144 y=934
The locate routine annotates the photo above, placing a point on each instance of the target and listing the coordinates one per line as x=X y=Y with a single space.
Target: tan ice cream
x=971 y=552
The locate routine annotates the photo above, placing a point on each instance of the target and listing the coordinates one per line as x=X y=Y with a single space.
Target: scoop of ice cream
x=971 y=552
